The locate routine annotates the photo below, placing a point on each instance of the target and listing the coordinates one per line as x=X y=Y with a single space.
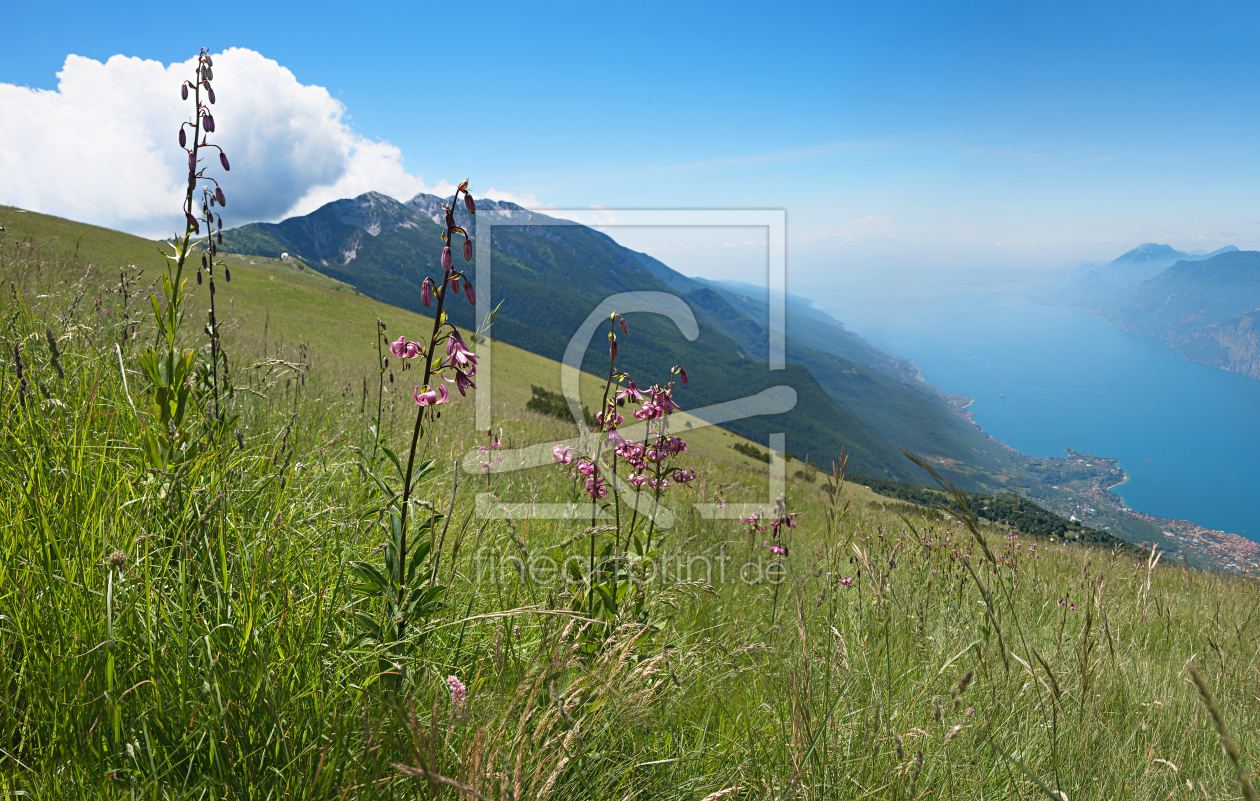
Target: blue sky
x=964 y=138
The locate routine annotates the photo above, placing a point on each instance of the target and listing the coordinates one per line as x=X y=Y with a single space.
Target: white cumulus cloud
x=103 y=146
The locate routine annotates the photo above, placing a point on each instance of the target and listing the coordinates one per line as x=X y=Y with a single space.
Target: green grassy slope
x=200 y=643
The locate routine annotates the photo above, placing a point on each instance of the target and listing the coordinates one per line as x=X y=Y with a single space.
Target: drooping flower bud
x=209 y=61
x=193 y=222
x=183 y=91
x=227 y=276
x=208 y=73
x=183 y=138
x=220 y=222
x=223 y=160
x=467 y=249
x=471 y=294
x=214 y=250
x=199 y=278
x=211 y=93
x=468 y=202
x=426 y=292
x=625 y=329
x=455 y=284
x=220 y=233
x=211 y=286
x=612 y=350
x=218 y=195
x=192 y=162
x=682 y=374
x=203 y=261
x=447 y=263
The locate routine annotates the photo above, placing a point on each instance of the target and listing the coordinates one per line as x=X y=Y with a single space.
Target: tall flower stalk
x=647 y=464
x=458 y=368
x=169 y=443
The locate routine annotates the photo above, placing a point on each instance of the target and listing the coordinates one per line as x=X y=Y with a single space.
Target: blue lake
x=1073 y=379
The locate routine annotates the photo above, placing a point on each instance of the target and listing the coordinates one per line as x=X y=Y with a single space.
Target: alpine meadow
x=255 y=544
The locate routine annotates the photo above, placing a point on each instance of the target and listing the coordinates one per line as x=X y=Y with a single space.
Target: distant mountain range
x=850 y=394
x=1207 y=305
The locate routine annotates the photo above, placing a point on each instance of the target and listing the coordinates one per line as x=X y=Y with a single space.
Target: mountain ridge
x=849 y=392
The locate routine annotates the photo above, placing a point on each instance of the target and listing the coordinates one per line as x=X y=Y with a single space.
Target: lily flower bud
x=426 y=292
x=183 y=138
x=211 y=93
x=209 y=61
x=447 y=263
x=467 y=250
x=218 y=195
x=207 y=122
x=183 y=91
x=193 y=222
x=199 y=278
x=468 y=202
x=203 y=261
x=682 y=374
x=612 y=350
x=211 y=286
x=192 y=162
x=455 y=284
x=625 y=329
x=471 y=294
x=220 y=234
x=227 y=276
x=223 y=160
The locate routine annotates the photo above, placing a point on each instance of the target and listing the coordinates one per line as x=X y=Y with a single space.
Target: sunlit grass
x=151 y=649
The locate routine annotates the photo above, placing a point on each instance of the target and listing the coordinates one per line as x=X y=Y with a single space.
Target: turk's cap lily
x=430 y=397
x=563 y=454
x=631 y=391
x=461 y=381
x=404 y=349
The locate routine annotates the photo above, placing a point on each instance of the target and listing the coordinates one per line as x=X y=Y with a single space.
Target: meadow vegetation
x=204 y=620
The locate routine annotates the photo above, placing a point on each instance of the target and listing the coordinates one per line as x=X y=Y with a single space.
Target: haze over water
x=1073 y=379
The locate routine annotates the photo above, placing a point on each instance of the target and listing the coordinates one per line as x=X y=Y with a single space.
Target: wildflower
x=430 y=397
x=776 y=549
x=847 y=581
x=563 y=454
x=462 y=382
x=426 y=292
x=631 y=391
x=636 y=479
x=460 y=357
x=683 y=476
x=586 y=467
x=625 y=329
x=117 y=559
x=459 y=693
x=596 y=488
x=681 y=373
x=404 y=349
